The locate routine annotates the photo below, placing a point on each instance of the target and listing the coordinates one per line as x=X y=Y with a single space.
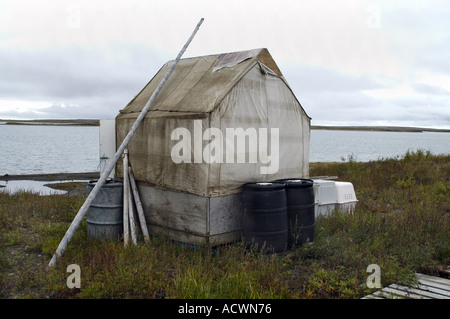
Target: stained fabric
x=215 y=124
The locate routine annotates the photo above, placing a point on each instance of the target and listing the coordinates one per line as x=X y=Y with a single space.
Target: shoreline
x=63 y=122
x=73 y=184
x=380 y=129
x=96 y=122
x=50 y=177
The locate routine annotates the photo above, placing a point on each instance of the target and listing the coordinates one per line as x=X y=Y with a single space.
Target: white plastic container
x=346 y=197
x=107 y=144
x=330 y=195
x=324 y=197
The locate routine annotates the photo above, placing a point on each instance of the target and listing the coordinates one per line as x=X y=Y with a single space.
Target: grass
x=401 y=223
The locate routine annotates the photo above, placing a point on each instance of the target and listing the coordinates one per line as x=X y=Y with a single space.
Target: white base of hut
x=190 y=218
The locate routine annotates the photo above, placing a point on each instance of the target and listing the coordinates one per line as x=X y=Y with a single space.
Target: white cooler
x=331 y=195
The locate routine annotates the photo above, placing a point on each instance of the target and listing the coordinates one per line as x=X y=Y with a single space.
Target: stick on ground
x=139 y=207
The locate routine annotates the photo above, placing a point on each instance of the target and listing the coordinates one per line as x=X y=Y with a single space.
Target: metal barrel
x=300 y=210
x=265 y=216
x=105 y=214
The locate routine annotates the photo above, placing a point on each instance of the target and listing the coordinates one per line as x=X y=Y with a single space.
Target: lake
x=27 y=149
x=364 y=146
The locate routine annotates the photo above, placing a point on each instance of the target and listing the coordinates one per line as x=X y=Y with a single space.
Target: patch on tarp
x=229 y=60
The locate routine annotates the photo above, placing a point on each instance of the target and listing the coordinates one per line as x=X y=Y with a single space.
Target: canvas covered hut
x=220 y=121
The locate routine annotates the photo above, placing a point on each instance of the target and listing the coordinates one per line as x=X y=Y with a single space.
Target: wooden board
x=174 y=210
x=195 y=239
x=225 y=214
x=190 y=218
x=428 y=287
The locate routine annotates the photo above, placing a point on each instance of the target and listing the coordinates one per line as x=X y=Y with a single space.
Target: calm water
x=48 y=149
x=56 y=149
x=33 y=186
x=364 y=146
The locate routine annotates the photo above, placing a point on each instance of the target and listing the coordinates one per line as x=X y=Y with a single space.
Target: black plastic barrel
x=265 y=216
x=300 y=210
x=105 y=214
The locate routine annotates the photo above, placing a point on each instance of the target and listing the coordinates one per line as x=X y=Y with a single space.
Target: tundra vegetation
x=401 y=223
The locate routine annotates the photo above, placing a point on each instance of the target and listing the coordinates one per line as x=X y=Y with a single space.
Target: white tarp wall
x=257 y=101
x=198 y=106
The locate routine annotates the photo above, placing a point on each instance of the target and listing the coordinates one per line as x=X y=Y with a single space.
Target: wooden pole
x=139 y=207
x=131 y=216
x=126 y=186
x=82 y=212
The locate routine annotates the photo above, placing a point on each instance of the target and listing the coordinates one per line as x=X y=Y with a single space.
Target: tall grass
x=401 y=223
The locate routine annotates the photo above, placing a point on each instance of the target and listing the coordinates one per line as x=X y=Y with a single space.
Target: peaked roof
x=199 y=84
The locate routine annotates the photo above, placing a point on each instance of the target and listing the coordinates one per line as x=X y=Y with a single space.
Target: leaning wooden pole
x=139 y=207
x=82 y=212
x=126 y=209
x=131 y=216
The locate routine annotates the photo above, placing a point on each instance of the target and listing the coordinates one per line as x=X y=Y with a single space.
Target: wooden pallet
x=428 y=287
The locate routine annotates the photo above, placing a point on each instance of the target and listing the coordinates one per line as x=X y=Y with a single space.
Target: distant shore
x=51 y=177
x=68 y=182
x=380 y=128
x=96 y=122
x=69 y=122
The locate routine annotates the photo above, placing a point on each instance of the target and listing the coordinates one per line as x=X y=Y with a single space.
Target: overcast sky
x=349 y=62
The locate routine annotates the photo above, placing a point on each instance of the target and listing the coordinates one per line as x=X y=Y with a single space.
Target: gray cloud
x=307 y=78
x=88 y=59
x=88 y=81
